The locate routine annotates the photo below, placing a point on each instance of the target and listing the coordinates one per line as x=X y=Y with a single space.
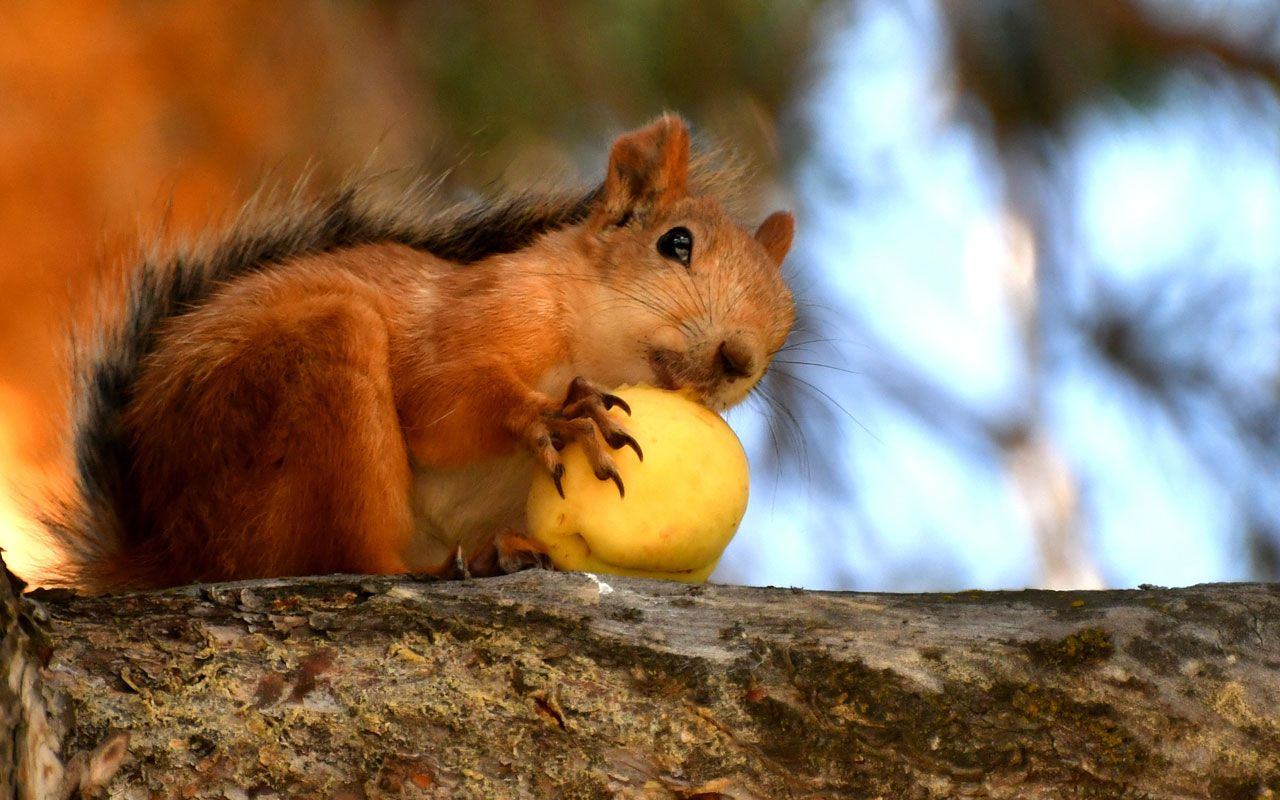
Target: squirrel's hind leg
x=280 y=452
x=340 y=499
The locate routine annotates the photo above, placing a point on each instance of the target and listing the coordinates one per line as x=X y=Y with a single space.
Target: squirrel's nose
x=736 y=357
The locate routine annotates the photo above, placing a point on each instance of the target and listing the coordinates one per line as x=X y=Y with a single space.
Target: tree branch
x=566 y=685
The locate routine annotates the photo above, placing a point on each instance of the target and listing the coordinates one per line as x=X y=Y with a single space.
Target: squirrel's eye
x=677 y=245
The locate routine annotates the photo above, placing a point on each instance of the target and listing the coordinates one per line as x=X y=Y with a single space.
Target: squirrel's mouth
x=662 y=363
x=675 y=371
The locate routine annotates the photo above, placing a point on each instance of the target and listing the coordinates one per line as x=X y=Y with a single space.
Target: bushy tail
x=100 y=550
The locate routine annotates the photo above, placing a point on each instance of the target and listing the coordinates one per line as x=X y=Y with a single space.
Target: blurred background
x=1038 y=250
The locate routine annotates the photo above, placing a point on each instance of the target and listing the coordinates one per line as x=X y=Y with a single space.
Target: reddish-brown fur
x=277 y=428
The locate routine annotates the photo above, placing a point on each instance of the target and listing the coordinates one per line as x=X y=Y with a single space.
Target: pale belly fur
x=466 y=506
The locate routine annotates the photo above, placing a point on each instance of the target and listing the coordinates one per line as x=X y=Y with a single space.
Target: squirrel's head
x=686 y=298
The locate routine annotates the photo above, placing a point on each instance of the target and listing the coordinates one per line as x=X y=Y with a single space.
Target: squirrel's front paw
x=584 y=411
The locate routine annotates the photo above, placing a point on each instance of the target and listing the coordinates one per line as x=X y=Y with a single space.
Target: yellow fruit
x=683 y=503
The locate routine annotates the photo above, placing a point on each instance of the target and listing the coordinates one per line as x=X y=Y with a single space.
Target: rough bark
x=33 y=722
x=564 y=685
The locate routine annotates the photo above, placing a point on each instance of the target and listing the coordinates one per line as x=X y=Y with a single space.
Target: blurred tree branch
x=1034 y=65
x=1034 y=68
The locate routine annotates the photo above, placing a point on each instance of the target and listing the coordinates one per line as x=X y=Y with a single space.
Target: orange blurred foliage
x=118 y=116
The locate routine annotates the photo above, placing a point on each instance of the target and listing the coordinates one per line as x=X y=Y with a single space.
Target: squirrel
x=341 y=387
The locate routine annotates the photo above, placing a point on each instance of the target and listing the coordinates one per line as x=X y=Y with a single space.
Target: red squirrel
x=345 y=388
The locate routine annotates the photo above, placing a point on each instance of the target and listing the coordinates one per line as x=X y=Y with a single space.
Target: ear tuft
x=775 y=234
x=648 y=169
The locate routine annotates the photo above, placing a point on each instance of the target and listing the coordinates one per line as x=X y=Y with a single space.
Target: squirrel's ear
x=648 y=168
x=775 y=234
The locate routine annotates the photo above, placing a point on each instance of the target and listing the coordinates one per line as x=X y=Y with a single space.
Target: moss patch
x=867 y=728
x=1085 y=646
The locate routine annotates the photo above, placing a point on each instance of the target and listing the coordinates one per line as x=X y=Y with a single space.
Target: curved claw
x=612 y=400
x=556 y=475
x=608 y=471
x=619 y=439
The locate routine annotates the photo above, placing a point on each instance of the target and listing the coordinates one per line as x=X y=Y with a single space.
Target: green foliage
x=549 y=73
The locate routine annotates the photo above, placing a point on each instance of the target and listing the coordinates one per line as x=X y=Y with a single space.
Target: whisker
x=770 y=421
x=807 y=343
x=815 y=388
x=691 y=292
x=778 y=415
x=789 y=362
